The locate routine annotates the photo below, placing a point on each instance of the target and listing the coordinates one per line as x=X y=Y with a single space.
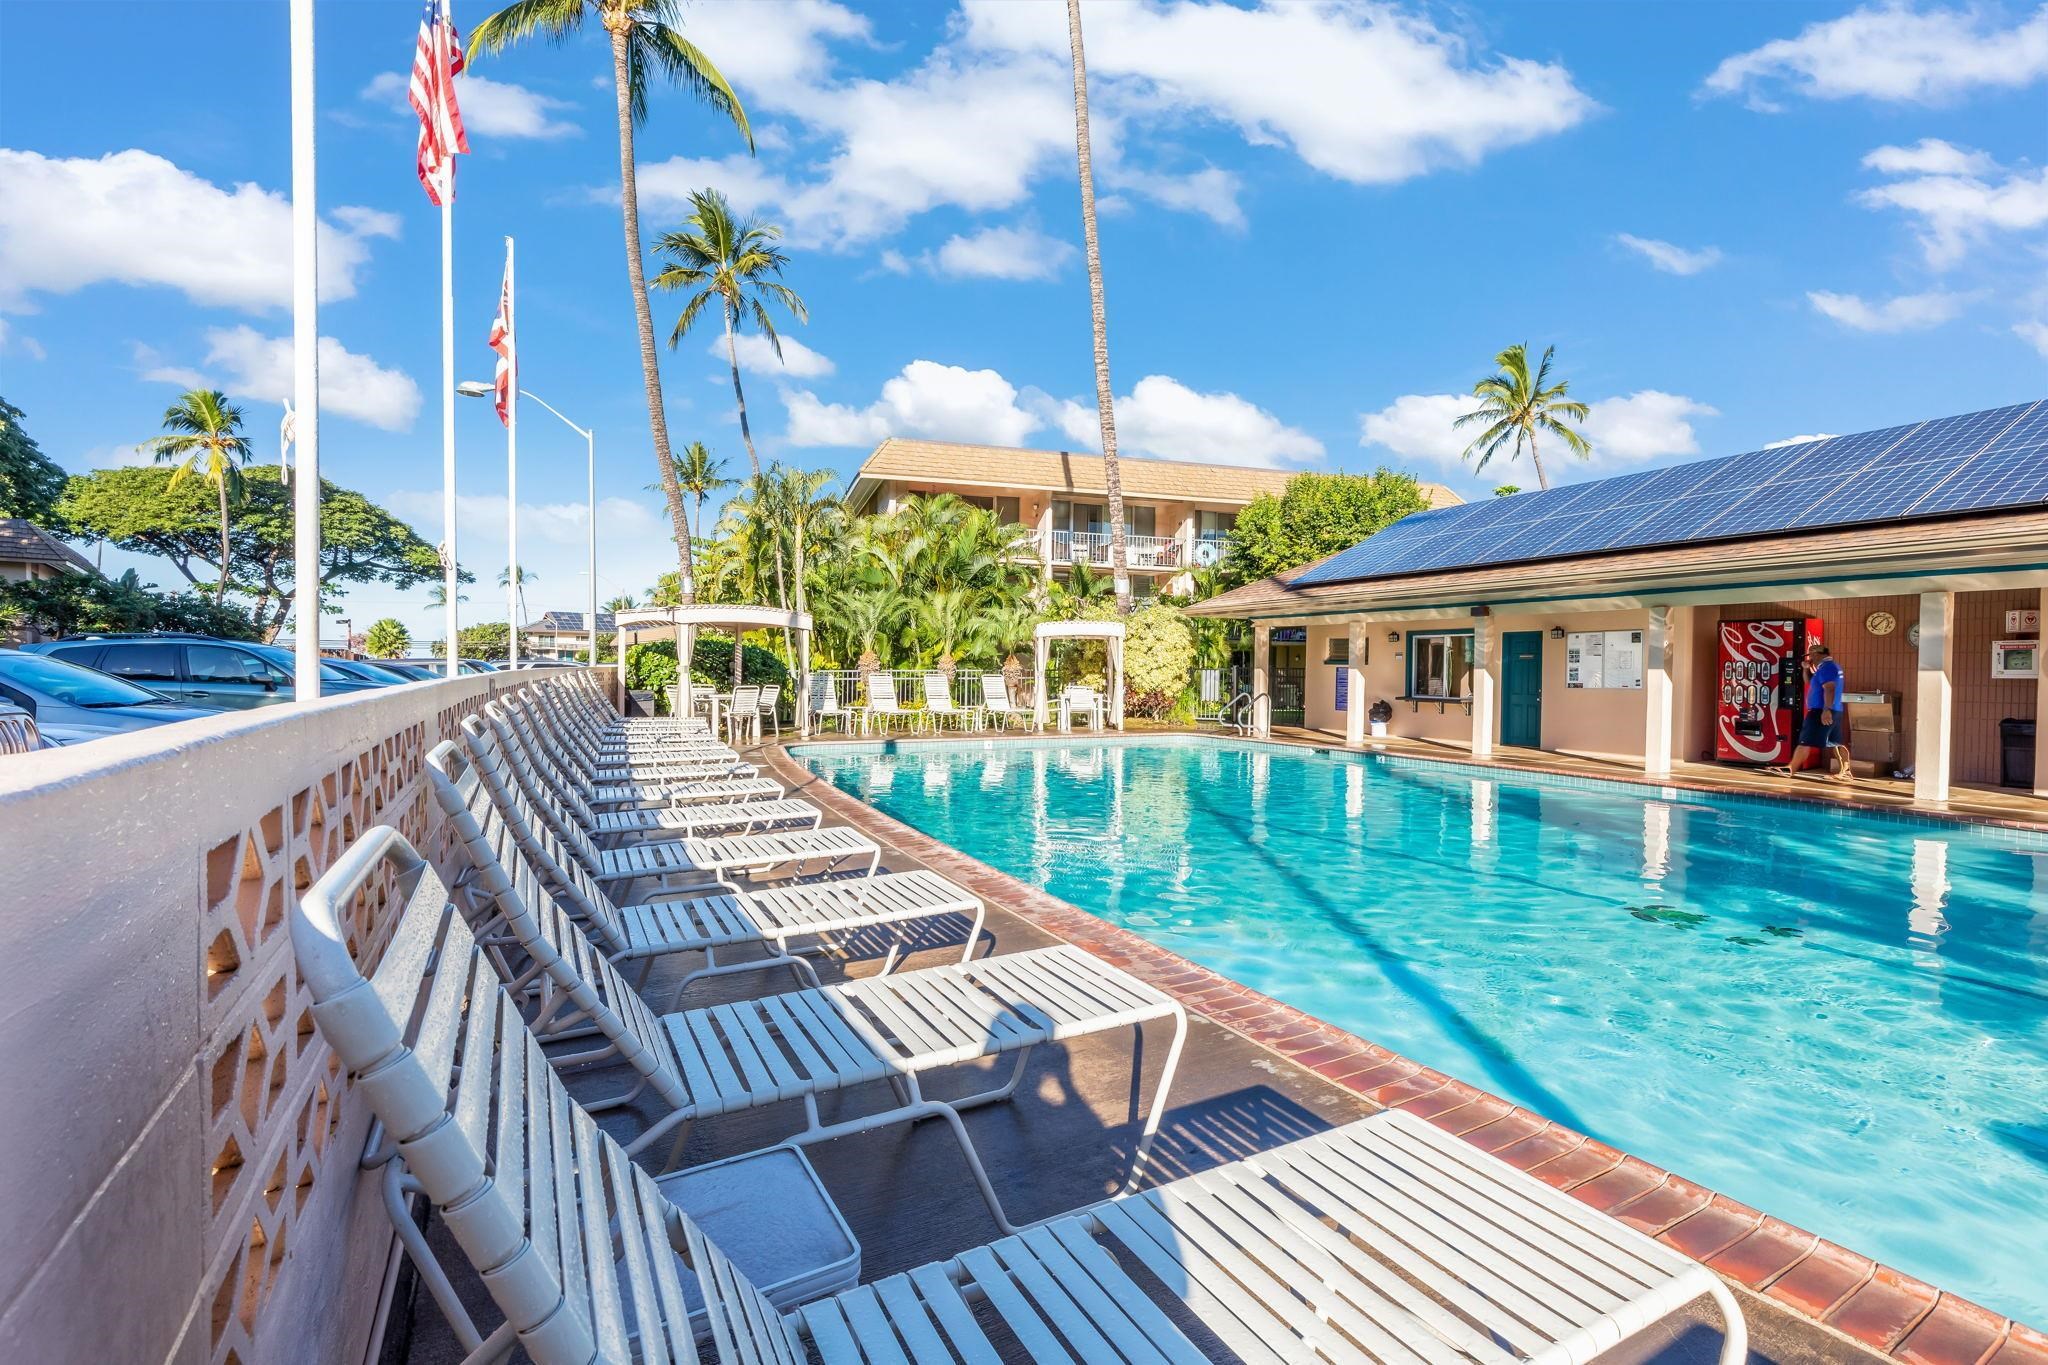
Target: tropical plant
x=1081 y=588
x=437 y=595
x=645 y=42
x=206 y=437
x=1105 y=407
x=70 y=603
x=1159 y=658
x=486 y=640
x=1314 y=517
x=947 y=622
x=526 y=576
x=623 y=602
x=700 y=474
x=870 y=616
x=1507 y=490
x=387 y=638
x=30 y=481
x=1514 y=405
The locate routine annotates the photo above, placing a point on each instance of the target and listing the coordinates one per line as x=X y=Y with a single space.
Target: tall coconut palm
x=623 y=602
x=645 y=41
x=526 y=576
x=1515 y=405
x=437 y=595
x=206 y=438
x=1112 y=475
x=700 y=474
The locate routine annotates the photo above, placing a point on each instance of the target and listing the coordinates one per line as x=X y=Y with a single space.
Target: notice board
x=1604 y=658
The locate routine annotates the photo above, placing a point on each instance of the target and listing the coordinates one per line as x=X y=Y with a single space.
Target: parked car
x=547 y=663
x=369 y=671
x=439 y=667
x=202 y=671
x=411 y=672
x=71 y=703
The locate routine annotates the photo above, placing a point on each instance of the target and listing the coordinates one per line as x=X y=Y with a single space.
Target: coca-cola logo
x=1762 y=641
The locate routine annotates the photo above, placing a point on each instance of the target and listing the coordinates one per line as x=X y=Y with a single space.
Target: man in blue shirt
x=1822 y=727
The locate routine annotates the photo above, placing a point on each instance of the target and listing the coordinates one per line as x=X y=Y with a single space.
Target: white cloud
x=1165 y=419
x=1958 y=197
x=489 y=108
x=1420 y=426
x=1003 y=253
x=1891 y=52
x=480 y=517
x=2035 y=334
x=773 y=43
x=667 y=185
x=1673 y=260
x=1904 y=313
x=1646 y=425
x=758 y=357
x=894 y=262
x=942 y=402
x=19 y=342
x=1800 y=440
x=1211 y=192
x=134 y=218
x=248 y=365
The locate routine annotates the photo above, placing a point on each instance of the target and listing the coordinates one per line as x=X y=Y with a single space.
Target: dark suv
x=199 y=670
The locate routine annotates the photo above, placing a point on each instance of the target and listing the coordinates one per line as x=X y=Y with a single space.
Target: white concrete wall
x=177 y=1151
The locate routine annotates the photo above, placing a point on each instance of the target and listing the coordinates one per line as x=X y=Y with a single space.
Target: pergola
x=1110 y=631
x=644 y=623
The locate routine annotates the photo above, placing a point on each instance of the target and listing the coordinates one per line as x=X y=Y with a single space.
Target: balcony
x=1162 y=554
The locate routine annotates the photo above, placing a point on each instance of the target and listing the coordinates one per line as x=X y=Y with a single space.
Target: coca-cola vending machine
x=1757 y=715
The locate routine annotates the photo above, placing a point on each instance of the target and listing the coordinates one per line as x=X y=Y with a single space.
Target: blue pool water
x=1841 y=1019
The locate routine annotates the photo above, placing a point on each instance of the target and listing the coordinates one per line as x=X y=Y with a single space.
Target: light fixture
x=475 y=388
x=1393 y=637
x=1557 y=632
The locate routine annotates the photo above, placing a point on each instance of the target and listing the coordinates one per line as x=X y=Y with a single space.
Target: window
x=220 y=664
x=1009 y=511
x=1144 y=521
x=1214 y=525
x=1340 y=650
x=141 y=663
x=1079 y=516
x=1440 y=666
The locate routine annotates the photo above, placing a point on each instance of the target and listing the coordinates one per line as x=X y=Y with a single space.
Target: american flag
x=501 y=342
x=436 y=57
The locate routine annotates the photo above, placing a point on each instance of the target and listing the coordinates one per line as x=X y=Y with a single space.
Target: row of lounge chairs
x=884 y=709
x=1381 y=1240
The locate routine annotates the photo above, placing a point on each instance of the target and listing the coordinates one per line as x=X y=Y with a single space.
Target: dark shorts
x=1814 y=735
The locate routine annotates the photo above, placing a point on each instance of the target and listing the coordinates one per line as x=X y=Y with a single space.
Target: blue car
x=201 y=671
x=72 y=704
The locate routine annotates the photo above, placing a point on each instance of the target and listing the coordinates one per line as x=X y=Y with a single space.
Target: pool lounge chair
x=996 y=702
x=1383 y=1239
x=578 y=753
x=551 y=761
x=770 y=711
x=882 y=705
x=939 y=705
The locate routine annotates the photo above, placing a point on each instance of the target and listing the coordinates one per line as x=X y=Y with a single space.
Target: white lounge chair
x=1080 y=701
x=882 y=705
x=826 y=705
x=549 y=759
x=939 y=704
x=1381 y=1240
x=996 y=702
x=770 y=711
x=743 y=717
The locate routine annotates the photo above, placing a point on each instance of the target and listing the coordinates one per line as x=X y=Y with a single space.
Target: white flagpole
x=590 y=454
x=450 y=567
x=512 y=468
x=305 y=362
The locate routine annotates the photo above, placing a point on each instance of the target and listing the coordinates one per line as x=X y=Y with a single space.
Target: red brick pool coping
x=1871 y=1304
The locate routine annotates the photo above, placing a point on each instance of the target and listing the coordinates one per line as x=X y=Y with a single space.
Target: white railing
x=1143 y=552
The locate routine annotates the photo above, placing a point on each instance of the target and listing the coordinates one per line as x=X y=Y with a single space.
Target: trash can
x=2015 y=753
x=639 y=704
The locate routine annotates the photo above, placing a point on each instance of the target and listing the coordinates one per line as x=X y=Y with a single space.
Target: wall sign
x=1343 y=689
x=1604 y=659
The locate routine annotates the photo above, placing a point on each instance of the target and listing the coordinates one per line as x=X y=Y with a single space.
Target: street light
x=476 y=388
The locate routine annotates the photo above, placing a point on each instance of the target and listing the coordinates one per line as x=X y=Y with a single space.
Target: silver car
x=72 y=703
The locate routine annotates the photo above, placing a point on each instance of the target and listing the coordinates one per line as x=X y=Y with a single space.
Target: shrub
x=1150 y=705
x=652 y=667
x=1159 y=654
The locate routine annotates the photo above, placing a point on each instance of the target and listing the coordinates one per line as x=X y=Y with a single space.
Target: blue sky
x=1737 y=223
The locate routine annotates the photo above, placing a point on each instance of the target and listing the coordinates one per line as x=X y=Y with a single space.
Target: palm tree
x=1112 y=475
x=623 y=602
x=437 y=596
x=1515 y=407
x=700 y=474
x=526 y=576
x=949 y=625
x=645 y=40
x=869 y=617
x=206 y=437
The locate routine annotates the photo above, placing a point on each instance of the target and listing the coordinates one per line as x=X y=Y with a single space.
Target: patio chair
x=1080 y=701
x=996 y=702
x=548 y=759
x=770 y=711
x=743 y=717
x=486 y=805
x=1382 y=1239
x=939 y=704
x=825 y=704
x=577 y=752
x=882 y=704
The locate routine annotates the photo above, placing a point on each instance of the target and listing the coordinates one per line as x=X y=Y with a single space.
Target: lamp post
x=476 y=388
x=305 y=359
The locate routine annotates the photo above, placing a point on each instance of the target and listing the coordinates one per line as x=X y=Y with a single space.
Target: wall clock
x=1913 y=634
x=1880 y=623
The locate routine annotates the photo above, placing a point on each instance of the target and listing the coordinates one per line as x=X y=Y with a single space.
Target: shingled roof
x=24 y=542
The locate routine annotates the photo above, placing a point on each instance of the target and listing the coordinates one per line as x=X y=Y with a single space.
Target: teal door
x=1521 y=688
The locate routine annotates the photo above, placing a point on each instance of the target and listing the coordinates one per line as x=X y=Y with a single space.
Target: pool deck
x=1806 y=1297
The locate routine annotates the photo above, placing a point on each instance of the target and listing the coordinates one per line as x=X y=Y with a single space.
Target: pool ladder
x=1238 y=713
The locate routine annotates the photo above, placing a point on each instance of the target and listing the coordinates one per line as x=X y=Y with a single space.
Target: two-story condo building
x=1177 y=513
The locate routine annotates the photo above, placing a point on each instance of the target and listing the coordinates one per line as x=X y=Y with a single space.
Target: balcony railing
x=1144 y=552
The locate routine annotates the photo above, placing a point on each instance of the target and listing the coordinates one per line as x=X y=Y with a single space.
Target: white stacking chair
x=743 y=717
x=770 y=710
x=939 y=704
x=882 y=706
x=997 y=704
x=1080 y=701
x=826 y=705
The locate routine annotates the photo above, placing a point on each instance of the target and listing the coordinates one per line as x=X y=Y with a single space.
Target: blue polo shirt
x=1828 y=672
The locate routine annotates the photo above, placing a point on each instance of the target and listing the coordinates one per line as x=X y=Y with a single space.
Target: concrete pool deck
x=1814 y=1285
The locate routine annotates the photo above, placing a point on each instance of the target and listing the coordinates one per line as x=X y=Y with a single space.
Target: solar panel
x=1976 y=461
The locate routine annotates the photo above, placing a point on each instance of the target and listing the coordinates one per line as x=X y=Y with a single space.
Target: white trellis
x=1112 y=632
x=683 y=623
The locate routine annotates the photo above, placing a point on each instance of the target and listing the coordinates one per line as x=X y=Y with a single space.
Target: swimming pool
x=1839 y=1018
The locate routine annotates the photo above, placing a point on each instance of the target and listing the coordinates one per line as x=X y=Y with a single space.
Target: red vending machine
x=1757 y=715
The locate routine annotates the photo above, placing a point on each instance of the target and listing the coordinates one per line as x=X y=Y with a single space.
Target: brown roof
x=1064 y=471
x=24 y=542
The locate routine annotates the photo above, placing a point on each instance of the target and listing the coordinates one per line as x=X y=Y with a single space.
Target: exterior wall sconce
x=1557 y=632
x=1393 y=637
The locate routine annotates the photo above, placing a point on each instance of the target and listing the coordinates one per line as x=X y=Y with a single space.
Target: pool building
x=1656 y=617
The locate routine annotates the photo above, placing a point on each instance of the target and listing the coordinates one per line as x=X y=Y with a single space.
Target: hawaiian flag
x=436 y=57
x=501 y=342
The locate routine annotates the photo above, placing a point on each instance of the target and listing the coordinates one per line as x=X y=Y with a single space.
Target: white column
x=590 y=446
x=451 y=569
x=1262 y=679
x=512 y=584
x=305 y=362
x=1657 y=693
x=2041 y=720
x=1934 y=697
x=1355 y=705
x=1045 y=542
x=1038 y=682
x=1485 y=684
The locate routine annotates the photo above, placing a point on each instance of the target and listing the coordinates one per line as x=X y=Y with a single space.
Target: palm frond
x=683 y=62
x=554 y=20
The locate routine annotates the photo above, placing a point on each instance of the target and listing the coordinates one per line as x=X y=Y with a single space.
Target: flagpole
x=512 y=471
x=590 y=469
x=305 y=362
x=450 y=567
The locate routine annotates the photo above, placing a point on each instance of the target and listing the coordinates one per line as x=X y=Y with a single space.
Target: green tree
x=947 y=623
x=437 y=595
x=1314 y=517
x=360 y=542
x=646 y=41
x=1159 y=658
x=1507 y=490
x=701 y=474
x=51 y=607
x=1514 y=405
x=1098 y=313
x=488 y=640
x=387 y=638
x=526 y=576
x=30 y=481
x=206 y=437
x=620 y=603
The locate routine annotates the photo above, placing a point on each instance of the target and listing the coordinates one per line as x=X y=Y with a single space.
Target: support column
x=1355 y=705
x=1262 y=679
x=1485 y=684
x=1934 y=697
x=1657 y=693
x=2041 y=714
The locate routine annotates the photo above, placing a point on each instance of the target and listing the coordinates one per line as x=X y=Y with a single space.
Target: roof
x=1976 y=462
x=1064 y=471
x=24 y=542
x=568 y=622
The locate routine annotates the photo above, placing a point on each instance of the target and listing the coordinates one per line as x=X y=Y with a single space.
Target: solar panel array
x=1976 y=462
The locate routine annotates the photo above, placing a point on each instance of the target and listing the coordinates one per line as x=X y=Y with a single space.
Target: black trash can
x=640 y=704
x=2015 y=753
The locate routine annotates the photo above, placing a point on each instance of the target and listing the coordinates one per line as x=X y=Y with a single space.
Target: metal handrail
x=1239 y=713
